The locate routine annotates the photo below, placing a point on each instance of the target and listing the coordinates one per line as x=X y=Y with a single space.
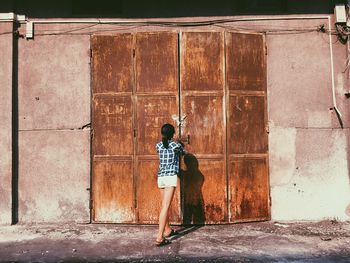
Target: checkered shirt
x=169 y=158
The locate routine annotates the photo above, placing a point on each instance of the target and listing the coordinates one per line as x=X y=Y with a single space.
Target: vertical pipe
x=332 y=73
x=15 y=148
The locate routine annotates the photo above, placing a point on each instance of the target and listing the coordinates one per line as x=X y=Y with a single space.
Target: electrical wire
x=274 y=31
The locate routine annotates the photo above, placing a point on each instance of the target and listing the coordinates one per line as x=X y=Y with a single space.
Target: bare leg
x=167 y=196
x=167 y=228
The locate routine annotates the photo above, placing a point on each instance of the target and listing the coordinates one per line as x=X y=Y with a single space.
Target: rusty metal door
x=203 y=105
x=112 y=123
x=135 y=91
x=247 y=127
x=156 y=101
x=220 y=91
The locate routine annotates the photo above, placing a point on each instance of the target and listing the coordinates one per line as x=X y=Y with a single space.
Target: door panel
x=112 y=184
x=221 y=95
x=156 y=62
x=202 y=102
x=148 y=197
x=204 y=123
x=247 y=143
x=202 y=61
x=248 y=184
x=245 y=62
x=204 y=195
x=247 y=124
x=112 y=63
x=113 y=125
x=152 y=112
x=157 y=103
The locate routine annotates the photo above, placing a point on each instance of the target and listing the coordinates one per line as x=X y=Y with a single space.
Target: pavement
x=321 y=241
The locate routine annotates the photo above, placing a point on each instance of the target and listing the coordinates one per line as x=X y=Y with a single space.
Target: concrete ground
x=324 y=241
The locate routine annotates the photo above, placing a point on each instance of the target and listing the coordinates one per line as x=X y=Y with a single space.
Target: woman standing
x=169 y=152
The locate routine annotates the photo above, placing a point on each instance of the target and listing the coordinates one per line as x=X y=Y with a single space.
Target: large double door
x=214 y=84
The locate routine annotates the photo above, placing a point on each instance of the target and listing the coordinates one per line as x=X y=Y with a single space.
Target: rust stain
x=204 y=115
x=248 y=184
x=112 y=63
x=247 y=124
x=135 y=86
x=203 y=58
x=152 y=112
x=202 y=91
x=156 y=62
x=148 y=195
x=113 y=126
x=204 y=190
x=245 y=62
x=113 y=203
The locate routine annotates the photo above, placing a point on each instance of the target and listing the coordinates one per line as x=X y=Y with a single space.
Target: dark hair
x=167 y=132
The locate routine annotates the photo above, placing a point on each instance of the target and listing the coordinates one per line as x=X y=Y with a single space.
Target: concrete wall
x=309 y=154
x=54 y=103
x=309 y=173
x=6 y=46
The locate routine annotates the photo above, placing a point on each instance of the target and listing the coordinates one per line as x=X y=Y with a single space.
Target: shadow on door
x=193 y=180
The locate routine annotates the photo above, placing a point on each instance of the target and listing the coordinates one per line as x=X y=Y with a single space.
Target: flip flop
x=172 y=233
x=162 y=243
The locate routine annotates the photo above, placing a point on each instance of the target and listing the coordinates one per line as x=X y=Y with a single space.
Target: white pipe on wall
x=332 y=68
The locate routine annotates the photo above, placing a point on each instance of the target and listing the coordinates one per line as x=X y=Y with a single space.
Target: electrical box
x=340 y=14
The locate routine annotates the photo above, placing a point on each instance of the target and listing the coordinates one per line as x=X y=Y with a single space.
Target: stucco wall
x=6 y=122
x=54 y=152
x=308 y=152
x=309 y=173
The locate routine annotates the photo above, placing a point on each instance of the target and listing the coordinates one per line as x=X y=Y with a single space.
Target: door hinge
x=90 y=204
x=134 y=133
x=90 y=53
x=265 y=50
x=92 y=133
x=133 y=53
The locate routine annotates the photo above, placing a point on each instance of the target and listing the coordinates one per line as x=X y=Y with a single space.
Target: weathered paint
x=54 y=102
x=131 y=116
x=245 y=62
x=314 y=183
x=106 y=79
x=249 y=188
x=112 y=190
x=202 y=102
x=202 y=64
x=247 y=124
x=112 y=123
x=299 y=96
x=309 y=154
x=54 y=83
x=6 y=52
x=148 y=196
x=156 y=60
x=52 y=187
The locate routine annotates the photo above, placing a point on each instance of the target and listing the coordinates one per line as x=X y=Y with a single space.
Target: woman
x=169 y=152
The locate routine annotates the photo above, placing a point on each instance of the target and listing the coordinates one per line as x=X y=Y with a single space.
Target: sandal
x=172 y=233
x=163 y=242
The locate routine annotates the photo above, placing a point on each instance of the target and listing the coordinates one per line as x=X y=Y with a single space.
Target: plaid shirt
x=169 y=158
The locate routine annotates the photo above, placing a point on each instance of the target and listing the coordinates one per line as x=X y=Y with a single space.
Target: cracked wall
x=308 y=151
x=6 y=48
x=54 y=152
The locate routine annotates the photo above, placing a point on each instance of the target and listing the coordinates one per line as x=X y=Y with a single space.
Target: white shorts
x=167 y=181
